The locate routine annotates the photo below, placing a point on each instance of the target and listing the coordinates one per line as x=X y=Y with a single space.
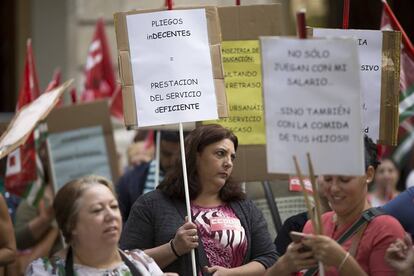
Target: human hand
x=400 y=255
x=297 y=259
x=46 y=213
x=325 y=249
x=217 y=270
x=186 y=238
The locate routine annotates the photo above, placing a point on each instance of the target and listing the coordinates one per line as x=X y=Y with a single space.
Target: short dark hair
x=195 y=142
x=396 y=166
x=171 y=136
x=370 y=153
x=166 y=135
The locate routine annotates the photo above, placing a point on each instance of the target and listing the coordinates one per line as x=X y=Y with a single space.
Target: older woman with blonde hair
x=88 y=215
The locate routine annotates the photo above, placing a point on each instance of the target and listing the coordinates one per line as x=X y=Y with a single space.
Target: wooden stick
x=345 y=14
x=316 y=197
x=305 y=193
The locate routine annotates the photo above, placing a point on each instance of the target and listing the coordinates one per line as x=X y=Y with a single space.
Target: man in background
x=141 y=179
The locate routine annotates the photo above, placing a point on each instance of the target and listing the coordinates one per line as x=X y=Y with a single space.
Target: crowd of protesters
x=92 y=227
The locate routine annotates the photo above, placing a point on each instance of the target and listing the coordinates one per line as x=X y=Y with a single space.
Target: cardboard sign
x=248 y=23
x=170 y=66
x=370 y=49
x=243 y=79
x=28 y=117
x=77 y=153
x=312 y=104
x=83 y=144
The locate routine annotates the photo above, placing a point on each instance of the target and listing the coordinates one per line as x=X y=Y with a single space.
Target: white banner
x=370 y=60
x=312 y=104
x=171 y=67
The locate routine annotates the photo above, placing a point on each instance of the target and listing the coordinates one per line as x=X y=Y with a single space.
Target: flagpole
x=301 y=24
x=405 y=38
x=187 y=193
x=169 y=4
x=345 y=14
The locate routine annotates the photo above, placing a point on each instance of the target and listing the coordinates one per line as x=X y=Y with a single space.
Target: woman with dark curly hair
x=228 y=231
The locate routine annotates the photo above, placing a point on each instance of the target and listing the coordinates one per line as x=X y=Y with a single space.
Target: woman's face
x=215 y=164
x=346 y=193
x=99 y=219
x=386 y=174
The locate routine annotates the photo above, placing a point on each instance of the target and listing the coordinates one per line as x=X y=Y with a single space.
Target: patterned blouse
x=56 y=266
x=222 y=235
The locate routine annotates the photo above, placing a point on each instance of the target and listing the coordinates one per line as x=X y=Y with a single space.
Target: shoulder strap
x=358 y=227
x=132 y=268
x=356 y=239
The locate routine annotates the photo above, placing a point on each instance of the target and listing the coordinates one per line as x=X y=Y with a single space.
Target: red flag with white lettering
x=21 y=164
x=99 y=73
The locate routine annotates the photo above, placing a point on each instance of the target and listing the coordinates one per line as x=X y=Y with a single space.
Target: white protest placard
x=370 y=60
x=312 y=104
x=28 y=117
x=171 y=67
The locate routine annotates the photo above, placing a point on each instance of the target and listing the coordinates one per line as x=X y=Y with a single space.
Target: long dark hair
x=195 y=142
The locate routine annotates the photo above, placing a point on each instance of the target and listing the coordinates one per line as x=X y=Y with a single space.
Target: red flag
x=99 y=74
x=73 y=96
x=116 y=107
x=406 y=106
x=21 y=164
x=29 y=89
x=55 y=82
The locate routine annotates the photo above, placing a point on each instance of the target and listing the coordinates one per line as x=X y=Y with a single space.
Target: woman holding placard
x=229 y=232
x=356 y=236
x=88 y=215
